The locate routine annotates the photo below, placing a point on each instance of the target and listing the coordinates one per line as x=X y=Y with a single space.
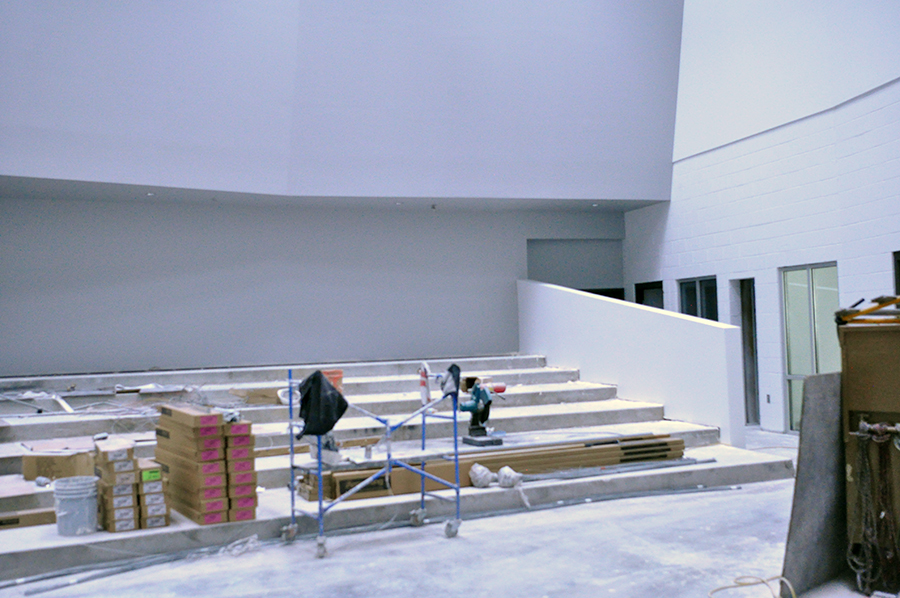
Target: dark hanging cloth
x=321 y=405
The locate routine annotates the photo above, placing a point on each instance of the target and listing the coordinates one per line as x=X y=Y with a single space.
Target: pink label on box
x=243 y=490
x=208 y=420
x=209 y=455
x=212 y=493
x=243 y=515
x=214 y=467
x=240 y=441
x=212 y=443
x=213 y=431
x=245 y=502
x=239 y=429
x=213 y=480
x=243 y=465
x=213 y=517
x=240 y=453
x=242 y=478
x=216 y=505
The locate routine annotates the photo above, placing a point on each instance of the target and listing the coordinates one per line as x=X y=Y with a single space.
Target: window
x=897 y=272
x=649 y=293
x=698 y=298
x=811 y=342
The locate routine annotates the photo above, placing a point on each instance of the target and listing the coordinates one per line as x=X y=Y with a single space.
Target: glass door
x=811 y=343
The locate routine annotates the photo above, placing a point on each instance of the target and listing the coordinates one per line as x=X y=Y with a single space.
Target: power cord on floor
x=745 y=581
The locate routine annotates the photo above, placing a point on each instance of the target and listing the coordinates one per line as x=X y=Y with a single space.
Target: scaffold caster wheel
x=417 y=517
x=321 y=551
x=451 y=528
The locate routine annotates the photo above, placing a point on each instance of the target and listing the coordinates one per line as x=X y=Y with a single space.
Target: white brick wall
x=825 y=188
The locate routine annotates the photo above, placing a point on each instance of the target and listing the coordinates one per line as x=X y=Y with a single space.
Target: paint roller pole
x=291 y=435
x=320 y=541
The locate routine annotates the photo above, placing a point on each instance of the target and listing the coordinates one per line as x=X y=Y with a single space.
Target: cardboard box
x=201 y=518
x=202 y=467
x=192 y=479
x=242 y=515
x=191 y=452
x=109 y=490
x=27 y=518
x=114 y=467
x=201 y=439
x=56 y=465
x=239 y=452
x=154 y=487
x=241 y=428
x=116 y=479
x=244 y=502
x=157 y=510
x=238 y=441
x=237 y=491
x=241 y=478
x=190 y=416
x=157 y=521
x=146 y=500
x=148 y=470
x=111 y=503
x=120 y=525
x=240 y=466
x=107 y=514
x=113 y=449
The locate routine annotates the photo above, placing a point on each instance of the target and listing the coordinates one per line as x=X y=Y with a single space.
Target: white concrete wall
x=576 y=263
x=747 y=67
x=691 y=365
x=89 y=286
x=822 y=189
x=517 y=99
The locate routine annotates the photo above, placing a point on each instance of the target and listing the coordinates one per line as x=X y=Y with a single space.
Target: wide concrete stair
x=542 y=405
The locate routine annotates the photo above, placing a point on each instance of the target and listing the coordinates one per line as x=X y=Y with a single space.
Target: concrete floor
x=675 y=545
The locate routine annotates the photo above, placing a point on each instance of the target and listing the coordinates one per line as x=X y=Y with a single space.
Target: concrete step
x=235 y=375
x=716 y=466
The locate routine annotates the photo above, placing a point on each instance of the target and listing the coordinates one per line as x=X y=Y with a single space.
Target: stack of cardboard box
x=190 y=447
x=131 y=493
x=241 y=467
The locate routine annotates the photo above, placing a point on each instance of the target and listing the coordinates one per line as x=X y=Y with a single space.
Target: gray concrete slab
x=676 y=546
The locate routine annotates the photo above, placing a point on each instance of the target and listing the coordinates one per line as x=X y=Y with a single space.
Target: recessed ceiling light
x=149 y=195
x=594 y=205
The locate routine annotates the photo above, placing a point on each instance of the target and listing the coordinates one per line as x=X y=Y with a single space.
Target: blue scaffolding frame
x=417 y=517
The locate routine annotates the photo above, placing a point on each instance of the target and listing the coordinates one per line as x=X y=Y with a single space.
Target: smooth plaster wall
x=91 y=286
x=690 y=365
x=572 y=99
x=822 y=189
x=747 y=67
x=576 y=263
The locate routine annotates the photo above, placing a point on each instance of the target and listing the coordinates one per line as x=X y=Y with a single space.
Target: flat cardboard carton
x=201 y=518
x=158 y=510
x=113 y=449
x=244 y=502
x=239 y=452
x=242 y=515
x=157 y=521
x=146 y=500
x=242 y=466
x=193 y=479
x=54 y=465
x=187 y=415
x=241 y=478
x=116 y=479
x=109 y=490
x=187 y=464
x=237 y=441
x=201 y=439
x=27 y=518
x=114 y=467
x=111 y=503
x=241 y=428
x=190 y=452
x=153 y=487
x=148 y=470
x=238 y=491
x=120 y=525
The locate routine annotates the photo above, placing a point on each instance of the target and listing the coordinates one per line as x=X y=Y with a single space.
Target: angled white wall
x=572 y=99
x=690 y=365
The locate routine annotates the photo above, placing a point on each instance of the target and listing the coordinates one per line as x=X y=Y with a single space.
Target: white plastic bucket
x=76 y=505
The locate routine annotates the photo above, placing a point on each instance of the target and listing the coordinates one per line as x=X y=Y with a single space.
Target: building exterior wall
x=825 y=188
